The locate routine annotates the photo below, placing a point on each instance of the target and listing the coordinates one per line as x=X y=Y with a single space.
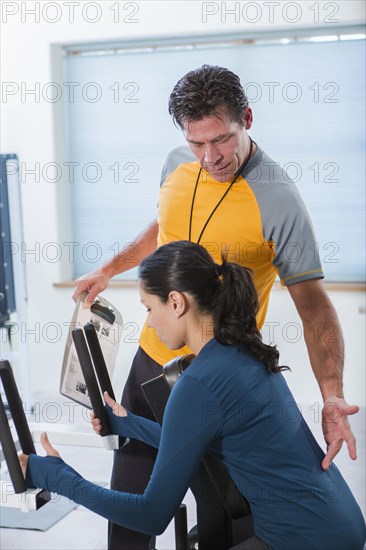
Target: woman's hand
x=117 y=409
x=23 y=459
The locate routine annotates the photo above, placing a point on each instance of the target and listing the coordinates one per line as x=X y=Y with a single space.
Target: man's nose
x=212 y=155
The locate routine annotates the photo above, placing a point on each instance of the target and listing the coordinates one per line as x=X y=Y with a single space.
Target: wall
x=32 y=129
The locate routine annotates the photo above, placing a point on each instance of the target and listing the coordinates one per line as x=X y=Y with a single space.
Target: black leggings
x=133 y=464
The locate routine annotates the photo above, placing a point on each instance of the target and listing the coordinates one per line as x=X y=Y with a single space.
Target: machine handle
x=10 y=453
x=16 y=408
x=90 y=379
x=98 y=359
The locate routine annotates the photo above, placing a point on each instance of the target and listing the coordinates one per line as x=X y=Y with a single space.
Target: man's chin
x=225 y=175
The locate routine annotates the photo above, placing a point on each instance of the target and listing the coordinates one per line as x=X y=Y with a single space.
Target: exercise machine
x=18 y=495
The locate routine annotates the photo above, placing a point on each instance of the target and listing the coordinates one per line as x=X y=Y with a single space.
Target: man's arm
x=98 y=280
x=144 y=244
x=324 y=341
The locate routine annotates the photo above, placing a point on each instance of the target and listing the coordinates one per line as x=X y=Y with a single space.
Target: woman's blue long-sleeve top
x=228 y=404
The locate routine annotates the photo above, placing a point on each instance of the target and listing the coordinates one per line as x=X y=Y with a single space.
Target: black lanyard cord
x=242 y=167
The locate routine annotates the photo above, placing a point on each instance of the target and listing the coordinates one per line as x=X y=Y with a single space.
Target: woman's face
x=164 y=317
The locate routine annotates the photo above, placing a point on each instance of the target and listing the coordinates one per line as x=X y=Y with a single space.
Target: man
x=233 y=198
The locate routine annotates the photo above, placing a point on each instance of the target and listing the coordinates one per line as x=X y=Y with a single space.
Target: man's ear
x=248 y=118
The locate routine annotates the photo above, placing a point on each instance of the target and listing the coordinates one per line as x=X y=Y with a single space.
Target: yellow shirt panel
x=235 y=228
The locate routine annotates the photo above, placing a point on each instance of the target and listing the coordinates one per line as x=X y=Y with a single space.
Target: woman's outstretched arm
x=192 y=421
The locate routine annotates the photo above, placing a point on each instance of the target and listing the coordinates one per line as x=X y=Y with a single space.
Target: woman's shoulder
x=215 y=353
x=218 y=364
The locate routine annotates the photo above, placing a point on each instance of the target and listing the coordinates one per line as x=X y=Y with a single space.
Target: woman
x=232 y=401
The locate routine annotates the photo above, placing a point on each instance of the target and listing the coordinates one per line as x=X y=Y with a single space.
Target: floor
x=83 y=530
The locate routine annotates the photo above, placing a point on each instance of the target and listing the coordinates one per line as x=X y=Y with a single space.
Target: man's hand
x=94 y=283
x=131 y=255
x=23 y=459
x=117 y=409
x=336 y=428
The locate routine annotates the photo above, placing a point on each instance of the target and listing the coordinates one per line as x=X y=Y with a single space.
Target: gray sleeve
x=177 y=156
x=296 y=250
x=287 y=224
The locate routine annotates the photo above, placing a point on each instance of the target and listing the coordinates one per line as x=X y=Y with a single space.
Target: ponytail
x=235 y=315
x=226 y=292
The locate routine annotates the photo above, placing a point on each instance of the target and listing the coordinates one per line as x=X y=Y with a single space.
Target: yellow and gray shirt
x=262 y=224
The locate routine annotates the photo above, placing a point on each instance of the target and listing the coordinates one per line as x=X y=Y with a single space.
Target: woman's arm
x=135 y=427
x=126 y=424
x=192 y=421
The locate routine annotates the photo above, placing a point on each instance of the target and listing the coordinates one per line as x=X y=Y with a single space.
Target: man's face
x=219 y=144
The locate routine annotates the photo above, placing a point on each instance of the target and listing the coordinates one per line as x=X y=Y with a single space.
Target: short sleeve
x=286 y=223
x=178 y=155
x=296 y=251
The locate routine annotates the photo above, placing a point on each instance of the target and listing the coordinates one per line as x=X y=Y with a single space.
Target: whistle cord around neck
x=242 y=167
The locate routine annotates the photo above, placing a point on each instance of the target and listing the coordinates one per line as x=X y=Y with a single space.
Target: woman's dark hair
x=203 y=92
x=226 y=291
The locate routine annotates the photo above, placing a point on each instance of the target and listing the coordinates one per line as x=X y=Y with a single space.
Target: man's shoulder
x=176 y=157
x=263 y=170
x=180 y=154
x=271 y=183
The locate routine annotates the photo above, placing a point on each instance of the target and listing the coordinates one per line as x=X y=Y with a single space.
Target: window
x=307 y=95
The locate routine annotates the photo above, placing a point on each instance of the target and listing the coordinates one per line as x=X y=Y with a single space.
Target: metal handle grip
x=10 y=453
x=90 y=380
x=98 y=359
x=16 y=408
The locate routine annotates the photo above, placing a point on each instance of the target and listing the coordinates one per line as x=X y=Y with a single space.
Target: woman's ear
x=178 y=302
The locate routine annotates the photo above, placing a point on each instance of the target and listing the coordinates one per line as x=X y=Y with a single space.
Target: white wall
x=29 y=129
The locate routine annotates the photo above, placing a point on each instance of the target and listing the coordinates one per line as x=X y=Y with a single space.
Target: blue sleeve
x=135 y=427
x=192 y=420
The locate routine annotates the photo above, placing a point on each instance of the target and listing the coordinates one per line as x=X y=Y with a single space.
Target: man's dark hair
x=203 y=92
